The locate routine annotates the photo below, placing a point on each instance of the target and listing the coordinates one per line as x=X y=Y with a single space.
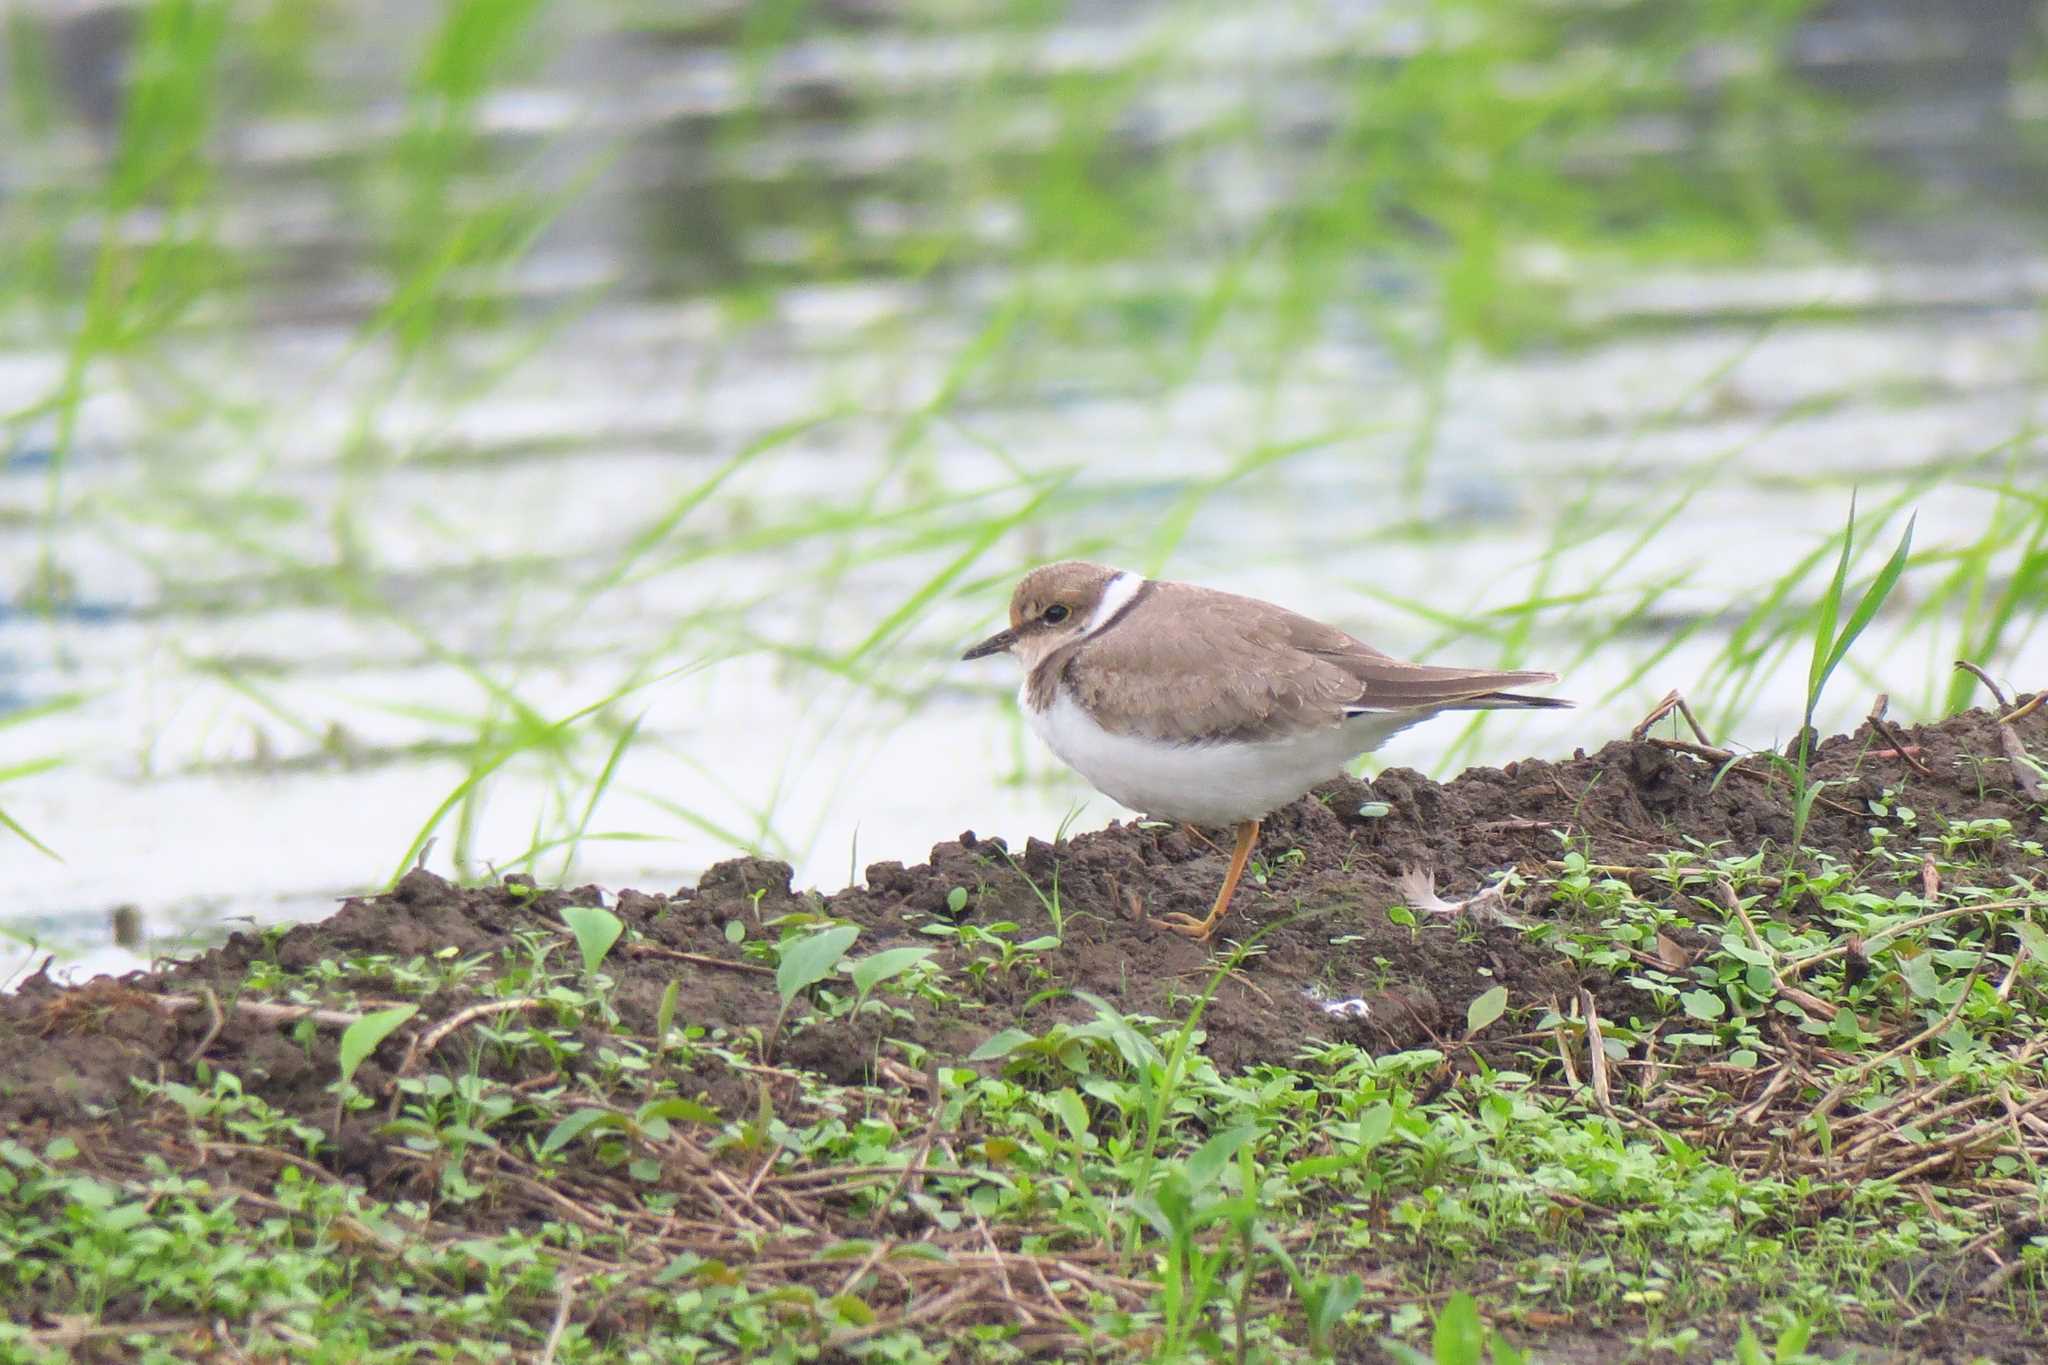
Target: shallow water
x=304 y=569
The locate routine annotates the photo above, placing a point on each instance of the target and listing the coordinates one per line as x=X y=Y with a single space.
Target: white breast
x=1204 y=784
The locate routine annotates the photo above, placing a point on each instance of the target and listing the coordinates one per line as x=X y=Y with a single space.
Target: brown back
x=1198 y=664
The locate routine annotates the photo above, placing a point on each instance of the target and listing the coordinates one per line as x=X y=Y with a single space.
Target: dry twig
x=699 y=959
x=423 y=1044
x=1856 y=1073
x=215 y=1022
x=1596 y=1054
x=2025 y=773
x=1907 y=753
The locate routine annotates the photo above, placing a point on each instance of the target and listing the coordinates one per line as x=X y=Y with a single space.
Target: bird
x=1190 y=704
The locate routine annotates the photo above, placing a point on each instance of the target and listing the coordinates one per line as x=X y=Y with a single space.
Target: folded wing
x=1211 y=665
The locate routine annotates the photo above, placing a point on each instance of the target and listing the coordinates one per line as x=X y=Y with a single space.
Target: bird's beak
x=994 y=644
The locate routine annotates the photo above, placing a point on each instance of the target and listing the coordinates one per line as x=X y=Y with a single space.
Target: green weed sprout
x=803 y=964
x=1830 y=647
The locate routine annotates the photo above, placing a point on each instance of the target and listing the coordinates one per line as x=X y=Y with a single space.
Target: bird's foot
x=1187 y=926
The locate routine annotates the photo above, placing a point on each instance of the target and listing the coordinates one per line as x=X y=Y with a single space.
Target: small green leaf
x=1315 y=1167
x=956 y=899
x=811 y=959
x=1073 y=1113
x=361 y=1038
x=83 y=1189
x=578 y=1123
x=676 y=1269
x=1489 y=1006
x=1917 y=971
x=665 y=1013
x=852 y=1249
x=2034 y=938
x=920 y=1251
x=1460 y=1336
x=676 y=1107
x=1212 y=1156
x=1375 y=810
x=596 y=930
x=735 y=931
x=1375 y=1123
x=1333 y=1299
x=1001 y=1045
x=1703 y=1004
x=873 y=970
x=1742 y=952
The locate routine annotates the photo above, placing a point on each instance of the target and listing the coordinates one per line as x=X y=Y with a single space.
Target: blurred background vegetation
x=582 y=435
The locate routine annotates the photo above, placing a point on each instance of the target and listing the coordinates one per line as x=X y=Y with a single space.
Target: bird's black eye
x=1055 y=614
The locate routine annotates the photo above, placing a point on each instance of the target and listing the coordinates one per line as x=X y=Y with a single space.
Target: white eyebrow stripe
x=1115 y=598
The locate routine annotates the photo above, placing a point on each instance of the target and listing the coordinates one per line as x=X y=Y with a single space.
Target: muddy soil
x=1328 y=875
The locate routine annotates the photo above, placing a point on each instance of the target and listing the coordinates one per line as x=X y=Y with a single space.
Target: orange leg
x=1201 y=929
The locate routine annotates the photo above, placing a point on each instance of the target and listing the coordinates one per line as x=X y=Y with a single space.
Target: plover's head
x=1055 y=605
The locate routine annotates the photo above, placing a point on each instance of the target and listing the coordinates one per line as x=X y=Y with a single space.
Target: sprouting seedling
x=650 y=1122
x=1054 y=911
x=804 y=963
x=1186 y=1200
x=596 y=930
x=361 y=1038
x=1325 y=1300
x=1461 y=1337
x=873 y=970
x=1830 y=647
x=358 y=1041
x=665 y=1013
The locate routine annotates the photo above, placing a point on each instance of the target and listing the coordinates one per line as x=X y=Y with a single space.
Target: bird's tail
x=1394 y=685
x=1503 y=701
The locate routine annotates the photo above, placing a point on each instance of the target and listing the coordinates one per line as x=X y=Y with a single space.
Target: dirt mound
x=1325 y=877
x=1334 y=949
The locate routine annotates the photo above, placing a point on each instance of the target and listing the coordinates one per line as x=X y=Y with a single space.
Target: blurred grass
x=1083 y=226
x=160 y=164
x=18 y=770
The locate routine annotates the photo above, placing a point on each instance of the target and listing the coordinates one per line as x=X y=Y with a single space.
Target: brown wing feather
x=1232 y=666
x=1385 y=683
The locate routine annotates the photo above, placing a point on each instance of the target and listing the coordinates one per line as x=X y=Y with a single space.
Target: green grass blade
x=1827 y=612
x=14 y=827
x=1872 y=602
x=600 y=786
